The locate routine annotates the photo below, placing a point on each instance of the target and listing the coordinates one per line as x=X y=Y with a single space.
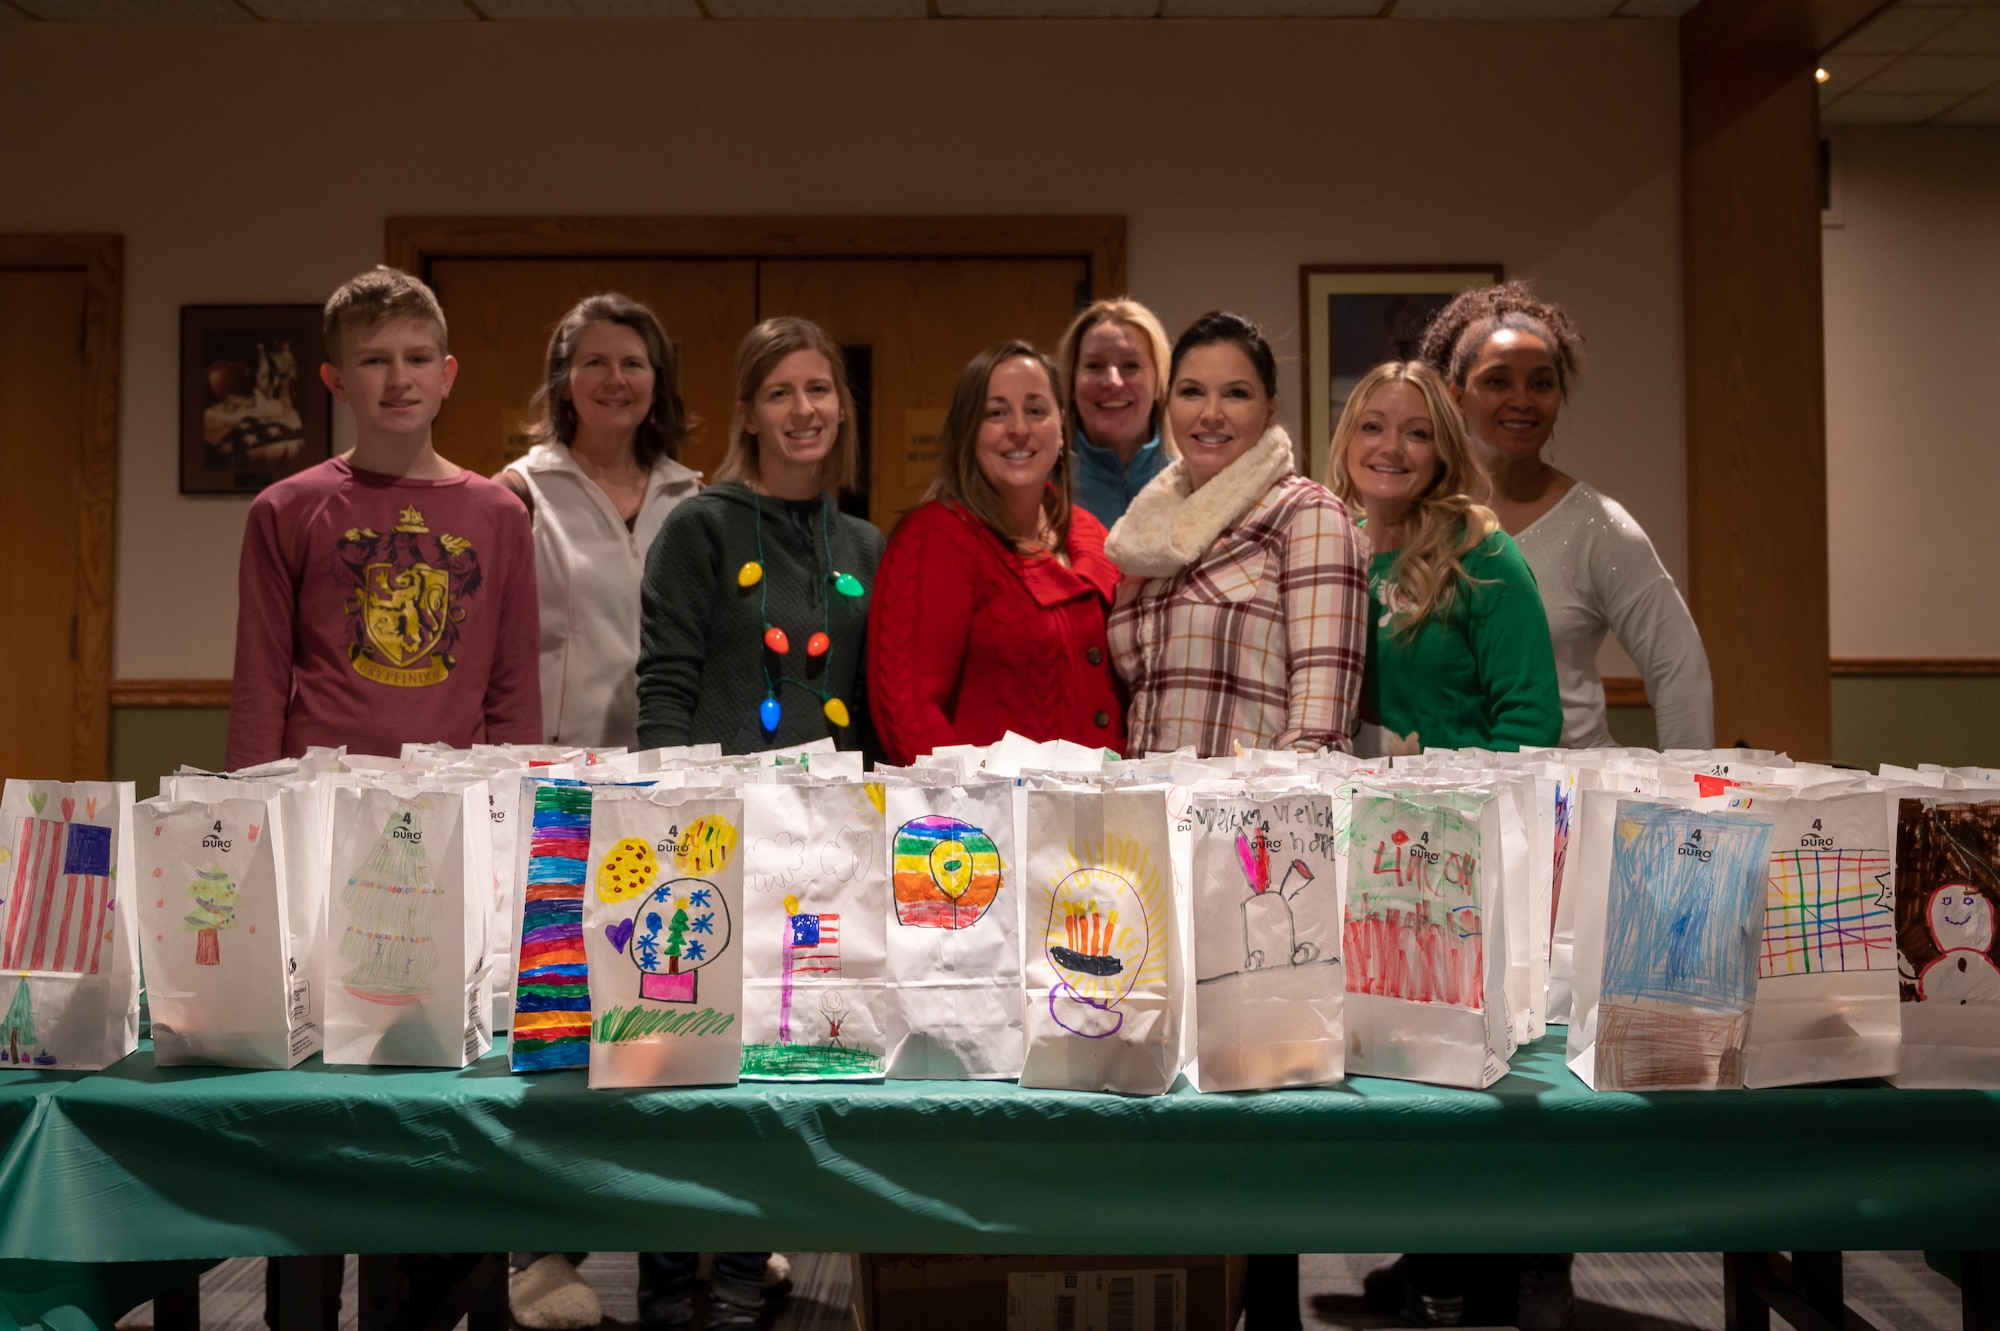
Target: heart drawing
x=40 y=800
x=620 y=934
x=68 y=808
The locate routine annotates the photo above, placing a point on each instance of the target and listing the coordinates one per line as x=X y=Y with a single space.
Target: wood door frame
x=102 y=261
x=412 y=243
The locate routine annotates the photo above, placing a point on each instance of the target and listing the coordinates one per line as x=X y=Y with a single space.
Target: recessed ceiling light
x=1821 y=76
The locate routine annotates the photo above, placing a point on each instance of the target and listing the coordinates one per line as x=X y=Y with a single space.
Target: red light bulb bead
x=775 y=639
x=817 y=644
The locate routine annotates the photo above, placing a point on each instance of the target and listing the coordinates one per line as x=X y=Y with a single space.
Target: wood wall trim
x=1916 y=665
x=411 y=242
x=170 y=693
x=1625 y=691
x=102 y=260
x=1755 y=393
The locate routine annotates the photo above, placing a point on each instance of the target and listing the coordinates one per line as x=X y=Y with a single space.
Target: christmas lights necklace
x=770 y=712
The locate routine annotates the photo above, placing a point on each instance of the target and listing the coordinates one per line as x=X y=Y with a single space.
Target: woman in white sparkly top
x=1510 y=359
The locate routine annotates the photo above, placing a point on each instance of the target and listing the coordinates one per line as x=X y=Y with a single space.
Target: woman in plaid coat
x=1243 y=617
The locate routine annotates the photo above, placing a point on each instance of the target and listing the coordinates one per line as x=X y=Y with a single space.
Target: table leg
x=1816 y=1277
x=1979 y=1284
x=382 y=1294
x=179 y=1308
x=303 y=1293
x=1742 y=1308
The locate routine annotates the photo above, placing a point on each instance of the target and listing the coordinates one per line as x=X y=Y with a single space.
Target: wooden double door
x=908 y=326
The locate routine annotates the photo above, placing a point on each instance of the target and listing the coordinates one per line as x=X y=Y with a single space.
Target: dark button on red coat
x=968 y=639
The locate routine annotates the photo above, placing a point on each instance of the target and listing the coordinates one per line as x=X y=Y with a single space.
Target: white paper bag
x=69 y=965
x=1105 y=989
x=1267 y=940
x=1669 y=914
x=1426 y=955
x=816 y=999
x=1826 y=1005
x=662 y=913
x=1947 y=900
x=222 y=982
x=408 y=977
x=302 y=796
x=953 y=923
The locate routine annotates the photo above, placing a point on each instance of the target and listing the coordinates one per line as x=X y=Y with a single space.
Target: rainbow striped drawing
x=552 y=995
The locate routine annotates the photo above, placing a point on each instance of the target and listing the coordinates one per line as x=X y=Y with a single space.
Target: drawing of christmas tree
x=676 y=939
x=19 y=1021
x=214 y=895
x=683 y=921
x=393 y=906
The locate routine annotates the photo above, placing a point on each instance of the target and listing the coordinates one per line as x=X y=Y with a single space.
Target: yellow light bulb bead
x=750 y=574
x=836 y=712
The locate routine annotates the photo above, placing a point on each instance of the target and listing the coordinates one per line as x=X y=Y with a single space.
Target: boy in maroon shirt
x=385 y=595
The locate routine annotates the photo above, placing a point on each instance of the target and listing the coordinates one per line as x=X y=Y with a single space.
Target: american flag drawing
x=61 y=894
x=813 y=947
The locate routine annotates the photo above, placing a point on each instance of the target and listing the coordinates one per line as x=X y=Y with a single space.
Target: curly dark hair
x=1458 y=332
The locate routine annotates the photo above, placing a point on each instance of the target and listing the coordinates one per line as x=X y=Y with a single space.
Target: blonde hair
x=1451 y=520
x=378 y=294
x=763 y=347
x=1132 y=314
x=959 y=478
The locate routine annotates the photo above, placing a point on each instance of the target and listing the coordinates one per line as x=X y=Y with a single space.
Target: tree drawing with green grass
x=213 y=893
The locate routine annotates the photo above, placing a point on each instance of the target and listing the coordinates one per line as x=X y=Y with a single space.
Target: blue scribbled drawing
x=1687 y=907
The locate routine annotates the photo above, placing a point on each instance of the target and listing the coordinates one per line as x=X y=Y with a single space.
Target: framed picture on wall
x=1355 y=317
x=253 y=409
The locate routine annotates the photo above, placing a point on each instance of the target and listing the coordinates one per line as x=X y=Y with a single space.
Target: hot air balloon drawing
x=947 y=873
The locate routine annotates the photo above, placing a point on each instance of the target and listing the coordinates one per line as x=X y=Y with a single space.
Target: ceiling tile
x=587 y=11
x=1898 y=30
x=1977 y=33
x=823 y=9
x=1505 y=8
x=1655 y=8
x=1845 y=72
x=1048 y=8
x=135 y=11
x=1982 y=110
x=9 y=14
x=1937 y=73
x=1885 y=108
x=363 y=11
x=1272 y=8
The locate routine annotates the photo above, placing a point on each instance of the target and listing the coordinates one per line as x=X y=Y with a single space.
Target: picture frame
x=1355 y=316
x=253 y=409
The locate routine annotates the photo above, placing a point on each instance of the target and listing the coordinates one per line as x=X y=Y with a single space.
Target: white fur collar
x=1169 y=526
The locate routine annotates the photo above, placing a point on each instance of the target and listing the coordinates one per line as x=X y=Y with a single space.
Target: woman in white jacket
x=599 y=482
x=1510 y=358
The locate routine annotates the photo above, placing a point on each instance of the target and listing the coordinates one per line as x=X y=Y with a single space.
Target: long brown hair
x=1451 y=519
x=959 y=478
x=763 y=347
x=666 y=425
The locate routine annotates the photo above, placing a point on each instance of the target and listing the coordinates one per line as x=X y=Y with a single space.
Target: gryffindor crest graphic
x=411 y=589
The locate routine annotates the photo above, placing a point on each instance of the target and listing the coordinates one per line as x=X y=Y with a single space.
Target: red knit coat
x=968 y=639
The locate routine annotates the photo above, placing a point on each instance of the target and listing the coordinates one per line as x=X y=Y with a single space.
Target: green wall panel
x=147 y=743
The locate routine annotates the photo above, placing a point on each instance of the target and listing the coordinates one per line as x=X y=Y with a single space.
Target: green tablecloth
x=147 y=1163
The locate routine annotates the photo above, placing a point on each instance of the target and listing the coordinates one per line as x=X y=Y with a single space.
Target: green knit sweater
x=703 y=666
x=1481 y=674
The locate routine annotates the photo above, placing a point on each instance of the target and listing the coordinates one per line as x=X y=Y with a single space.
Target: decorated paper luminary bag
x=953 y=921
x=1826 y=967
x=816 y=999
x=302 y=805
x=1947 y=902
x=408 y=974
x=222 y=980
x=69 y=958
x=1425 y=932
x=1105 y=989
x=1670 y=897
x=1267 y=940
x=662 y=921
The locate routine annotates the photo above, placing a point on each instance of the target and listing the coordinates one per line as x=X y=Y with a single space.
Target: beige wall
x=1912 y=351
x=257 y=162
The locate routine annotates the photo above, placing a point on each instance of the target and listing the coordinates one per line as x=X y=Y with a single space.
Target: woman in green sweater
x=755 y=597
x=1459 y=654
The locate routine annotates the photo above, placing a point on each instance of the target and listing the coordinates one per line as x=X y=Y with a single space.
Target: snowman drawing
x=1961 y=921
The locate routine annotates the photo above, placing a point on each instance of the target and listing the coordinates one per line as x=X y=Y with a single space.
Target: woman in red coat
x=988 y=607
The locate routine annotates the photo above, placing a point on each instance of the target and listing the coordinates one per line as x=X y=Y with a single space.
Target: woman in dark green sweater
x=1459 y=653
x=755 y=597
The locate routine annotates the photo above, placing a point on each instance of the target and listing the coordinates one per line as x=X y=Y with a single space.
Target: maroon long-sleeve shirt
x=374 y=610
